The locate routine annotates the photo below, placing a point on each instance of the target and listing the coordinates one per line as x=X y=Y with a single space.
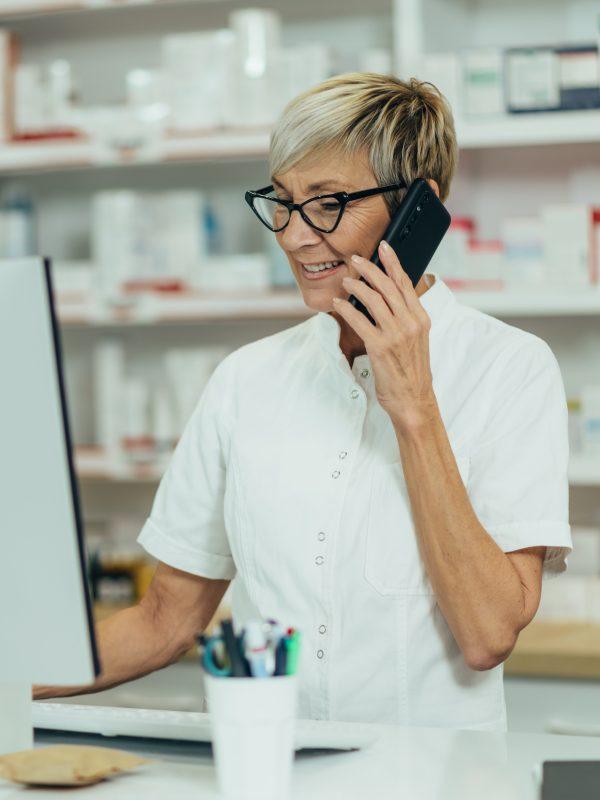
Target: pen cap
x=253 y=727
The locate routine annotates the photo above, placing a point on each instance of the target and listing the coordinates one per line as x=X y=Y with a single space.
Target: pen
x=238 y=665
x=212 y=657
x=276 y=636
x=281 y=658
x=258 y=650
x=292 y=646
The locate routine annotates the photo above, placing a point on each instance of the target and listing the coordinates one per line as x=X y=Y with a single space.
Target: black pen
x=237 y=661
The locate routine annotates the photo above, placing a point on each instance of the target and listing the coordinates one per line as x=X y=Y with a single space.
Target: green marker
x=292 y=651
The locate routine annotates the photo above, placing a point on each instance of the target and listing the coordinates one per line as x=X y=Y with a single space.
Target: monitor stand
x=16 y=729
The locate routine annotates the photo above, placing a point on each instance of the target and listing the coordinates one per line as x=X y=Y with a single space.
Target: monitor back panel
x=45 y=623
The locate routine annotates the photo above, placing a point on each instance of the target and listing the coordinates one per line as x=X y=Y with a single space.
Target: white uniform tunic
x=288 y=478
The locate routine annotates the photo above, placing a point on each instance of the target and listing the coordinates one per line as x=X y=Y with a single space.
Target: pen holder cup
x=253 y=725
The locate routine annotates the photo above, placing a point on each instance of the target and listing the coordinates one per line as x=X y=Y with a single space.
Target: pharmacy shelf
x=569 y=649
x=518 y=130
x=92 y=464
x=68 y=154
x=248 y=145
x=189 y=308
x=33 y=8
x=534 y=302
x=150 y=309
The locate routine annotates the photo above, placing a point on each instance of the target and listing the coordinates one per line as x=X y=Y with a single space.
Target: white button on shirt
x=257 y=491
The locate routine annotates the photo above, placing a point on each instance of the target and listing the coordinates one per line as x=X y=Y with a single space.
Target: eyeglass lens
x=322 y=212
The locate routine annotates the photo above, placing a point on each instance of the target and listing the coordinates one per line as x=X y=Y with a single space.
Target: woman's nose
x=298 y=233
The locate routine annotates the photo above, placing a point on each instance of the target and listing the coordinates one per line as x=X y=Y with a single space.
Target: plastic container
x=253 y=724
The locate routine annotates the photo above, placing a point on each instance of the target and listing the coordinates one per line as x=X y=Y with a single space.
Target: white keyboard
x=190 y=726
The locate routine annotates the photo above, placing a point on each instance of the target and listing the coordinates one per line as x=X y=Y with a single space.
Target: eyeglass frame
x=342 y=197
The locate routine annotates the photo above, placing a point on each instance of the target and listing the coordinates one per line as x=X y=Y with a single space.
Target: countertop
x=415 y=763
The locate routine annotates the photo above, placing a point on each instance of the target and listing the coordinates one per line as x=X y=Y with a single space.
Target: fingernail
x=384 y=244
x=336 y=299
x=357 y=259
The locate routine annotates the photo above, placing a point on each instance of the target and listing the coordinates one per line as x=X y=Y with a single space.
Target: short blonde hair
x=406 y=126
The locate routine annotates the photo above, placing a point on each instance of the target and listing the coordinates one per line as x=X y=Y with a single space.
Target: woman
x=394 y=490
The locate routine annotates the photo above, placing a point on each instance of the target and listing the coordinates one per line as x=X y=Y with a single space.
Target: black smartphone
x=414 y=233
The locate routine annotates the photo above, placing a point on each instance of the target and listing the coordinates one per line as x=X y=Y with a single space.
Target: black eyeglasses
x=322 y=212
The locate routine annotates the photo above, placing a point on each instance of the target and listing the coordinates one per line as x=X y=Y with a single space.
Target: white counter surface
x=404 y=764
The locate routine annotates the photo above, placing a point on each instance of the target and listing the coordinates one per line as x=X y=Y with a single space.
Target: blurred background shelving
x=110 y=138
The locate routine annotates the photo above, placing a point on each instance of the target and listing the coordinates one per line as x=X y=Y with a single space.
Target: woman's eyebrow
x=312 y=187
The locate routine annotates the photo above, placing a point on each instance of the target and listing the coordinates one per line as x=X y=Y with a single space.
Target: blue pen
x=212 y=657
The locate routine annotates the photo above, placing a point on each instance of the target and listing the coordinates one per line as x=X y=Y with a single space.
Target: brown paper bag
x=66 y=765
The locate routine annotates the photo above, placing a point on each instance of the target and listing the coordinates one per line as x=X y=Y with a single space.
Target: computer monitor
x=46 y=628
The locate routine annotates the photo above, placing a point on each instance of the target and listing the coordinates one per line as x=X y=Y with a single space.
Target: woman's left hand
x=398 y=346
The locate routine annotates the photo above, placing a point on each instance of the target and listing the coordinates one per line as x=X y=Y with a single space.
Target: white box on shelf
x=30 y=100
x=73 y=277
x=532 y=79
x=485 y=261
x=109 y=374
x=523 y=251
x=444 y=71
x=483 y=82
x=257 y=35
x=295 y=69
x=376 y=59
x=188 y=371
x=136 y=439
x=144 y=240
x=451 y=259
x=197 y=73
x=571 y=244
x=241 y=271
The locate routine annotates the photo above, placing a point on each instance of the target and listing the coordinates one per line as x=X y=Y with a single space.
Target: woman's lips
x=315 y=276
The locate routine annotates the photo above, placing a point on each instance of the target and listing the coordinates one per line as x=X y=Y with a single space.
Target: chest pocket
x=393 y=563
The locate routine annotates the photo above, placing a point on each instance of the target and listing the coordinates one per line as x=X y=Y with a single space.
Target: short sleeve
x=186 y=527
x=518 y=473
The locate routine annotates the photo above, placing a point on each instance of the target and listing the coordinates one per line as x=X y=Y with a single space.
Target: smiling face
x=359 y=232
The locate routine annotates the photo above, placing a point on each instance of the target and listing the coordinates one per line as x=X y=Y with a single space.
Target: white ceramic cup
x=253 y=724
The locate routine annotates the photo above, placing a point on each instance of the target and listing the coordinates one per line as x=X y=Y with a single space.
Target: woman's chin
x=316 y=303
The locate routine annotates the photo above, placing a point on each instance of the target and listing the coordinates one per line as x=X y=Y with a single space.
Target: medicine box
x=483 y=82
x=552 y=78
x=571 y=234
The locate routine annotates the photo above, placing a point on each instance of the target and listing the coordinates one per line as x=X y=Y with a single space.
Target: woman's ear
x=434 y=186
